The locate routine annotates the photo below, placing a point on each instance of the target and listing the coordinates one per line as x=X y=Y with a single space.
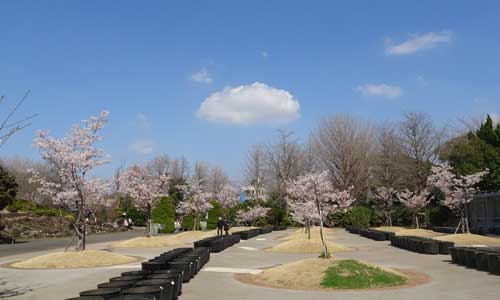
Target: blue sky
x=153 y=63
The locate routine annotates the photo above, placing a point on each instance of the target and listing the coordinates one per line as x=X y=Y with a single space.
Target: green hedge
x=213 y=215
x=164 y=213
x=358 y=216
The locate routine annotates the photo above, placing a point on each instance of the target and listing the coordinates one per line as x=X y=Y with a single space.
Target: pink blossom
x=196 y=199
x=227 y=197
x=73 y=157
x=254 y=213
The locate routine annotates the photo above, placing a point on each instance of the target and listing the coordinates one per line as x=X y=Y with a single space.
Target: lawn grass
x=351 y=274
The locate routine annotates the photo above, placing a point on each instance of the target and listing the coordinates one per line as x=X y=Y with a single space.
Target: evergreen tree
x=164 y=213
x=8 y=188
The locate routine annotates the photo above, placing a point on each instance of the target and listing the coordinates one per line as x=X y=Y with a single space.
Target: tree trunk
x=324 y=253
x=308 y=229
x=416 y=220
x=466 y=219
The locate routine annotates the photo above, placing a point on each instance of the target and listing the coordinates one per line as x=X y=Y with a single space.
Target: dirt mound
x=468 y=239
x=390 y=228
x=149 y=242
x=189 y=236
x=315 y=234
x=418 y=232
x=74 y=259
x=307 y=246
x=303 y=275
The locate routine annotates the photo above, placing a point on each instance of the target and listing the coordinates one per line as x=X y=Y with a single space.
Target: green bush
x=213 y=215
x=46 y=211
x=357 y=216
x=187 y=223
x=402 y=216
x=20 y=205
x=164 y=213
x=8 y=188
x=138 y=217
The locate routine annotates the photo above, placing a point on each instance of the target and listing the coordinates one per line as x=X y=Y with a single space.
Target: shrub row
x=373 y=234
x=480 y=258
x=162 y=277
x=421 y=244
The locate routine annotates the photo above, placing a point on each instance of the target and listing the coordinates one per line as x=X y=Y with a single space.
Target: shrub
x=358 y=216
x=213 y=215
x=137 y=216
x=46 y=211
x=8 y=188
x=402 y=216
x=187 y=223
x=164 y=213
x=20 y=205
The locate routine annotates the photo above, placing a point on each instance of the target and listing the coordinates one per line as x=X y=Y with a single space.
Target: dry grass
x=300 y=234
x=149 y=242
x=468 y=239
x=189 y=236
x=418 y=232
x=303 y=275
x=74 y=259
x=390 y=228
x=307 y=246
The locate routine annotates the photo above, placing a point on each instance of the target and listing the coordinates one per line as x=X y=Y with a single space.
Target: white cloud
x=379 y=90
x=143 y=146
x=247 y=104
x=142 y=122
x=202 y=76
x=418 y=42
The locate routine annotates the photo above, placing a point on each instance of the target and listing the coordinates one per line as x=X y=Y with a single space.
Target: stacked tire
x=265 y=230
x=279 y=228
x=480 y=258
x=217 y=243
x=421 y=245
x=247 y=234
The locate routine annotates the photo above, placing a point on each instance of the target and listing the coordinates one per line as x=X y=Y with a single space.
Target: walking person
x=220 y=225
x=226 y=227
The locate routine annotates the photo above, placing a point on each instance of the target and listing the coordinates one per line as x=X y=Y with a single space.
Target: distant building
x=251 y=193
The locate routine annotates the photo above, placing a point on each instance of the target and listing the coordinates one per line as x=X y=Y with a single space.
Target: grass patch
x=350 y=274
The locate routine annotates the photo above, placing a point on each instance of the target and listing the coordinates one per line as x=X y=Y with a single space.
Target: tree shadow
x=7 y=292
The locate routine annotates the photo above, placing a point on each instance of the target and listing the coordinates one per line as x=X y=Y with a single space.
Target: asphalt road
x=54 y=243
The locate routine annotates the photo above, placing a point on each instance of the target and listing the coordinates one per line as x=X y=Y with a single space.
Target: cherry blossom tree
x=145 y=189
x=415 y=201
x=73 y=157
x=196 y=201
x=227 y=197
x=316 y=190
x=384 y=198
x=254 y=213
x=458 y=190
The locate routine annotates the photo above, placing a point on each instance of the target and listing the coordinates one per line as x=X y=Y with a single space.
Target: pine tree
x=8 y=188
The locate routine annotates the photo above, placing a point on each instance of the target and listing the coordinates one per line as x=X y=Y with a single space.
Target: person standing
x=226 y=227
x=220 y=225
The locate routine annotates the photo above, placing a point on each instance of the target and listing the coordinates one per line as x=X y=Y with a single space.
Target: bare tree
x=389 y=159
x=421 y=141
x=254 y=168
x=283 y=161
x=9 y=127
x=217 y=180
x=180 y=169
x=22 y=169
x=200 y=172
x=344 y=146
x=160 y=165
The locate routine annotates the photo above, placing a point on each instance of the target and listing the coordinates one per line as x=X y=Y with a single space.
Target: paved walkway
x=216 y=281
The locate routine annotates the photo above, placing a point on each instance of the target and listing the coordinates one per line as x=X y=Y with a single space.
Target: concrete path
x=55 y=243
x=217 y=281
